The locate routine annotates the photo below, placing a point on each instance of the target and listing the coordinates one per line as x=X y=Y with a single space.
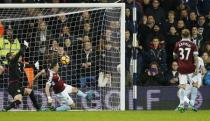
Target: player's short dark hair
x=185 y=33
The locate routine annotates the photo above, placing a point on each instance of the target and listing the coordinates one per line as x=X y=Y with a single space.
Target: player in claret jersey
x=186 y=54
x=61 y=89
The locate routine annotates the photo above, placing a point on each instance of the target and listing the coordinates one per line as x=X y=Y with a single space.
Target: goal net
x=87 y=33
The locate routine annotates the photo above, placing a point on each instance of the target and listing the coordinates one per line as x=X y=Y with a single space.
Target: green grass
x=106 y=116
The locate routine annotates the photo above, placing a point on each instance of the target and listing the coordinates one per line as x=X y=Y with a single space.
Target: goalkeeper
x=61 y=89
x=15 y=89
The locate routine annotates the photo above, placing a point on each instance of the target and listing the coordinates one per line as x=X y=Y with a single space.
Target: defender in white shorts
x=197 y=79
x=61 y=89
x=195 y=82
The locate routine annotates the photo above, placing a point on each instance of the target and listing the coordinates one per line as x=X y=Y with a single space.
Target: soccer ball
x=65 y=59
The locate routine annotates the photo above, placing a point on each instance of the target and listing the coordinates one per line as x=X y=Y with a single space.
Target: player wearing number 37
x=186 y=54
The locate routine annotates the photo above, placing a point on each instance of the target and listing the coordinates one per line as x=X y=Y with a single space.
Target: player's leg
x=186 y=99
x=17 y=101
x=66 y=102
x=15 y=91
x=182 y=92
x=187 y=92
x=71 y=89
x=196 y=81
x=30 y=92
x=63 y=108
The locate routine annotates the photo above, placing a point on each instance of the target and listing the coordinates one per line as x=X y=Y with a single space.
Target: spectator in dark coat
x=130 y=4
x=128 y=55
x=172 y=75
x=145 y=4
x=168 y=5
x=39 y=43
x=206 y=33
x=128 y=20
x=156 y=11
x=180 y=26
x=203 y=7
x=206 y=47
x=157 y=54
x=192 y=20
x=208 y=17
x=152 y=76
x=201 y=24
x=145 y=30
x=171 y=21
x=66 y=34
x=157 y=32
x=87 y=66
x=192 y=4
x=128 y=49
x=197 y=38
x=171 y=40
x=184 y=16
x=56 y=25
x=206 y=60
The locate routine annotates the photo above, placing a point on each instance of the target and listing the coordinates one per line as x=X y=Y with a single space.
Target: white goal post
x=102 y=36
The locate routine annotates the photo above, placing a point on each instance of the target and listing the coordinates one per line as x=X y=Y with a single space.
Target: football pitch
x=203 y=115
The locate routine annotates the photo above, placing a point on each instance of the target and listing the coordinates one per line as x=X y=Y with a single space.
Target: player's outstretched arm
x=47 y=91
x=21 y=51
x=39 y=74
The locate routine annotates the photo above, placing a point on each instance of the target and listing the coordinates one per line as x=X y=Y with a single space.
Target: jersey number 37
x=184 y=53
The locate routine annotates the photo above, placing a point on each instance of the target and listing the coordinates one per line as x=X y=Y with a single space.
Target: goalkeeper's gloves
x=37 y=65
x=26 y=43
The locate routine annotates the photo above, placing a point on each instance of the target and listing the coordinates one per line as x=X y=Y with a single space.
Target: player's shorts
x=185 y=78
x=197 y=78
x=64 y=97
x=15 y=89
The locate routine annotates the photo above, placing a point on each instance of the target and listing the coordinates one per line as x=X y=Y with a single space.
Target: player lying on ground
x=61 y=89
x=15 y=88
x=196 y=84
x=186 y=54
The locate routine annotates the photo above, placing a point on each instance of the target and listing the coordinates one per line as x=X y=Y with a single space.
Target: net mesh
x=86 y=35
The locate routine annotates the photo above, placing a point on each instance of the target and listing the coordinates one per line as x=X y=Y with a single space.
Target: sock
x=12 y=105
x=181 y=96
x=81 y=94
x=186 y=99
x=63 y=108
x=34 y=101
x=194 y=92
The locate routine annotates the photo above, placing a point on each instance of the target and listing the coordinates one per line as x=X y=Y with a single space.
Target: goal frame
x=89 y=5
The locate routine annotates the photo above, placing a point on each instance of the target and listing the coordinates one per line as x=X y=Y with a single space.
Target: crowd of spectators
x=159 y=26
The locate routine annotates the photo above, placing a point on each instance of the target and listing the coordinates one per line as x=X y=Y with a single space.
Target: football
x=65 y=59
